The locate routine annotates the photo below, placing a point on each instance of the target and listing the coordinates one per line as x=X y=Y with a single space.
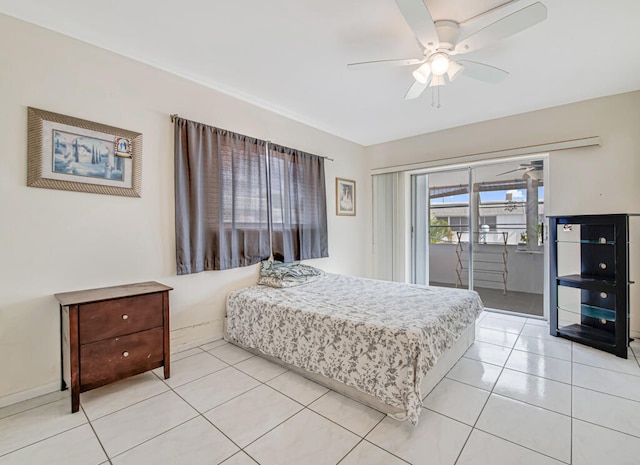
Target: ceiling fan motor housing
x=448 y=32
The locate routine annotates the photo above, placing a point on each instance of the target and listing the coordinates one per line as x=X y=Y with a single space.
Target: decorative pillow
x=278 y=274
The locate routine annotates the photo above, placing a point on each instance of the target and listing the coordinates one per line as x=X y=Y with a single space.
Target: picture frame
x=345 y=197
x=73 y=154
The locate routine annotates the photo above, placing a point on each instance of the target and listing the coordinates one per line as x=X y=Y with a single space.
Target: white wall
x=603 y=179
x=55 y=241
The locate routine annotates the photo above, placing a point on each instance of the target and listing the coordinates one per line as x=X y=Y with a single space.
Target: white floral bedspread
x=377 y=336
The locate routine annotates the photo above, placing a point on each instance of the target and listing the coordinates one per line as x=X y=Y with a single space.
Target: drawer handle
x=125 y=317
x=125 y=354
x=603 y=266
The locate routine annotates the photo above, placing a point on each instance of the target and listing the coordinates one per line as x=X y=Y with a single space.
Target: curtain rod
x=175 y=115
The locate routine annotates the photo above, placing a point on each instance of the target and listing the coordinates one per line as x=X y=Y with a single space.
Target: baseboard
x=29 y=394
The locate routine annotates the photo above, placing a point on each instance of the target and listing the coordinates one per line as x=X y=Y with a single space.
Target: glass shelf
x=590 y=311
x=576 y=280
x=584 y=241
x=582 y=333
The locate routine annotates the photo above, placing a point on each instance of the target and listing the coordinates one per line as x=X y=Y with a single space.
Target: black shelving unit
x=590 y=280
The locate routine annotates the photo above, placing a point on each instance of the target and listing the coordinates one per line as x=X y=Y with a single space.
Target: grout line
x=95 y=434
x=606 y=427
x=571 y=405
x=6 y=454
x=361 y=440
x=520 y=445
x=66 y=397
x=607 y=369
x=126 y=406
x=152 y=438
x=473 y=427
x=388 y=452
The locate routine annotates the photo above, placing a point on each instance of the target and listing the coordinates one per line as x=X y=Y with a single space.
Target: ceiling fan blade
x=483 y=72
x=385 y=63
x=419 y=19
x=416 y=89
x=505 y=27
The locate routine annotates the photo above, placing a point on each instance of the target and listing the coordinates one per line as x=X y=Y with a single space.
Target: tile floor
x=517 y=396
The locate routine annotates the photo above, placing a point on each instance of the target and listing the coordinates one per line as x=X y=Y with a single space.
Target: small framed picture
x=345 y=197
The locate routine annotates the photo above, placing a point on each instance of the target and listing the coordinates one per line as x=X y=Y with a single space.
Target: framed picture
x=73 y=154
x=345 y=197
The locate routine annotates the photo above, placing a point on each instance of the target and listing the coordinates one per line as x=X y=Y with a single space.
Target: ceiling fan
x=440 y=42
x=531 y=170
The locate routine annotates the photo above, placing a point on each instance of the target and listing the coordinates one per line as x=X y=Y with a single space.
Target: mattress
x=378 y=337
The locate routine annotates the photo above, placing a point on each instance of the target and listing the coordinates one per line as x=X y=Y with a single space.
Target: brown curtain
x=298 y=204
x=221 y=198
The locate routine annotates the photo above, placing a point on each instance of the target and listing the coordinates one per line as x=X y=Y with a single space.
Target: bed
x=375 y=341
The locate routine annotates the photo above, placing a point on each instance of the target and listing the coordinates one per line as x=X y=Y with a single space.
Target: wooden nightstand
x=111 y=333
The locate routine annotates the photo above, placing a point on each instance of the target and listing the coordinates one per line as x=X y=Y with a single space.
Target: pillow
x=278 y=274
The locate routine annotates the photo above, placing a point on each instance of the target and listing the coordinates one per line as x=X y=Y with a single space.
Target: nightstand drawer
x=106 y=361
x=118 y=317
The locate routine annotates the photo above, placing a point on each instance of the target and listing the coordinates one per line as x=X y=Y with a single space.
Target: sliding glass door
x=482 y=228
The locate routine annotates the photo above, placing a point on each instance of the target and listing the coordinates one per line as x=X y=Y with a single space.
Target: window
x=238 y=199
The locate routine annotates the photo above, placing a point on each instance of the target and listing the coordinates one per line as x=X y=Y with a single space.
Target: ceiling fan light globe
x=454 y=70
x=439 y=64
x=422 y=74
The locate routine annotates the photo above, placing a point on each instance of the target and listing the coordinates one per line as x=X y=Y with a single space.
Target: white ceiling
x=290 y=55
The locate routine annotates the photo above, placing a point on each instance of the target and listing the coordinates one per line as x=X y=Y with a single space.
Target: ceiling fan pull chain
x=438 y=96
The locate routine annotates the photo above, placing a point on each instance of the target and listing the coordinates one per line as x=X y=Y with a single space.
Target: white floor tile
x=107 y=399
x=185 y=353
x=475 y=373
x=354 y=416
x=231 y=354
x=531 y=389
x=486 y=449
x=240 y=459
x=261 y=369
x=78 y=446
x=214 y=389
x=606 y=381
x=488 y=353
x=544 y=347
x=457 y=400
x=494 y=336
x=127 y=428
x=35 y=402
x=369 y=454
x=537 y=322
x=39 y=423
x=602 y=409
x=250 y=415
x=595 y=445
x=541 y=332
x=539 y=365
x=297 y=387
x=436 y=439
x=194 y=442
x=597 y=358
x=533 y=427
x=513 y=325
x=214 y=344
x=190 y=368
x=307 y=438
x=507 y=317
